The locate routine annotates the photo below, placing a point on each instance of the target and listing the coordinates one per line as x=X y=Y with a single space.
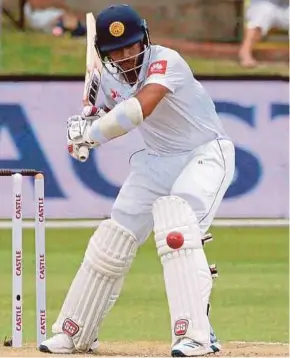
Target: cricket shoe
x=187 y=347
x=59 y=343
x=214 y=342
x=94 y=346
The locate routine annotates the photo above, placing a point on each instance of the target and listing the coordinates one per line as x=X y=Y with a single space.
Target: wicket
x=17 y=254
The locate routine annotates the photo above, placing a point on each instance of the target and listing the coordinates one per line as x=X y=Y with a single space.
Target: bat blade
x=93 y=74
x=93 y=64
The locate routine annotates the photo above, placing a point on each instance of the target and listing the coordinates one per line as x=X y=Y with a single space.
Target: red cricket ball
x=175 y=240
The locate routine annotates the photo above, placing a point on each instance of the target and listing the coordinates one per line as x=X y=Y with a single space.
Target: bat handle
x=83 y=153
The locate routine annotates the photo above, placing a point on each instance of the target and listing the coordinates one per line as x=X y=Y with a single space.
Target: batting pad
x=187 y=276
x=108 y=258
x=115 y=295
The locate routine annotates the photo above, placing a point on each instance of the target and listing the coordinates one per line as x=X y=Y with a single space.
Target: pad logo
x=117 y=28
x=180 y=327
x=159 y=67
x=70 y=328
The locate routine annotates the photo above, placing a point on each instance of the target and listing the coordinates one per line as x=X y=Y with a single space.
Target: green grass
x=35 y=53
x=249 y=300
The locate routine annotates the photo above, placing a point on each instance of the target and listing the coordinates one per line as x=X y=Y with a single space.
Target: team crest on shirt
x=159 y=67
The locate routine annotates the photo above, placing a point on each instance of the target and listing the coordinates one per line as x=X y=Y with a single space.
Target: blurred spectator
x=262 y=16
x=53 y=16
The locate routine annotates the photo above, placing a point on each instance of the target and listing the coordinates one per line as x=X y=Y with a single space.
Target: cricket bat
x=93 y=74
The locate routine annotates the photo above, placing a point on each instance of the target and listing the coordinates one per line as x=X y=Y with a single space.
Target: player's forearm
x=123 y=118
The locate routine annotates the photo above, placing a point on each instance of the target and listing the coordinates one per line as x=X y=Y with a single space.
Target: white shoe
x=59 y=343
x=186 y=347
x=215 y=344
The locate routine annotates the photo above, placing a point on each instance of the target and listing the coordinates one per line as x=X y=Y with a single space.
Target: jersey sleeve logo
x=159 y=67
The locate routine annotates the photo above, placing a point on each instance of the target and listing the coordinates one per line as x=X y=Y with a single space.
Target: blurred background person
x=53 y=16
x=261 y=17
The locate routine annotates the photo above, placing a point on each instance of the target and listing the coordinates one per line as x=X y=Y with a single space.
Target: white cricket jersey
x=184 y=119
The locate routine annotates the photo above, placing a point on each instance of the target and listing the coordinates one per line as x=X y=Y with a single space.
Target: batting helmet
x=119 y=26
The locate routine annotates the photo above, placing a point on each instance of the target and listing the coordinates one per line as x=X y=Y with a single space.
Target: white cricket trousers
x=200 y=177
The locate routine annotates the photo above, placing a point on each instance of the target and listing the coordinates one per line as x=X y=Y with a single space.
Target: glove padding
x=73 y=149
x=78 y=127
x=78 y=130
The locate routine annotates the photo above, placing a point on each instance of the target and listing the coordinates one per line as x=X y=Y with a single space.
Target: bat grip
x=83 y=153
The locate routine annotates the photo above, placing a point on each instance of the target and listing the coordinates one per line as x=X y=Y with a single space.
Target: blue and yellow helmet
x=119 y=26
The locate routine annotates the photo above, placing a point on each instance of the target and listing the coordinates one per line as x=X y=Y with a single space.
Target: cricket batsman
x=174 y=188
